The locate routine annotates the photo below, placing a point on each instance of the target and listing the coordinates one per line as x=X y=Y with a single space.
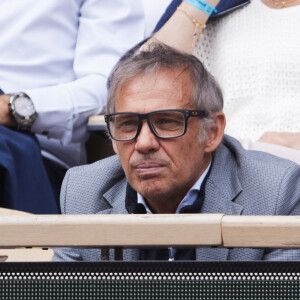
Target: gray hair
x=206 y=93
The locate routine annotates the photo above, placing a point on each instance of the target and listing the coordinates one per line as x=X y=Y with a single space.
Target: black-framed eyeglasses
x=164 y=124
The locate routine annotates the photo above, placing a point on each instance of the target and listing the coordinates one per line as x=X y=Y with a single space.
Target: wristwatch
x=22 y=109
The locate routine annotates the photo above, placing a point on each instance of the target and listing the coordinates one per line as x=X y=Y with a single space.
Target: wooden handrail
x=96 y=119
x=149 y=230
x=110 y=230
x=261 y=231
x=97 y=123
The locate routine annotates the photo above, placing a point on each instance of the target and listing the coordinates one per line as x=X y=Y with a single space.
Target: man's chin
x=151 y=188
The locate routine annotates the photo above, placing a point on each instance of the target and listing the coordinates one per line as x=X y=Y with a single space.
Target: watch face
x=24 y=107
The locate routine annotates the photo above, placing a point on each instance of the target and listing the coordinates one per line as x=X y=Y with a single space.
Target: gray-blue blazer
x=241 y=182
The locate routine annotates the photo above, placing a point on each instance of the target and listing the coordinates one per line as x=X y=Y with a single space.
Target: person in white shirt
x=59 y=53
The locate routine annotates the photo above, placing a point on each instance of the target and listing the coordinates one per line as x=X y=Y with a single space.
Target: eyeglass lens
x=166 y=124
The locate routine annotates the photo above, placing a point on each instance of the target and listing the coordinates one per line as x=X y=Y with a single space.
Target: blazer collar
x=115 y=197
x=222 y=188
x=223 y=184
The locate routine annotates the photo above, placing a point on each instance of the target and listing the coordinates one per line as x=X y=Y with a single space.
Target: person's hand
x=286 y=139
x=5 y=117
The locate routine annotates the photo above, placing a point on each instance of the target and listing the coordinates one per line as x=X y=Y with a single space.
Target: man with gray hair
x=165 y=119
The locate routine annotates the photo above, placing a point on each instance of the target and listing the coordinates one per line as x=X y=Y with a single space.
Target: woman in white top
x=254 y=54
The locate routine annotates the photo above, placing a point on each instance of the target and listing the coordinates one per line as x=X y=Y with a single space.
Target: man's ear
x=216 y=133
x=114 y=146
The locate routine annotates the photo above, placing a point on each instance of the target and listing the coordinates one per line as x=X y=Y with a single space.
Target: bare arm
x=286 y=139
x=178 y=32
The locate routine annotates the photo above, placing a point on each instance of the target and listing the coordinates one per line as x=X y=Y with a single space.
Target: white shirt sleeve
x=106 y=29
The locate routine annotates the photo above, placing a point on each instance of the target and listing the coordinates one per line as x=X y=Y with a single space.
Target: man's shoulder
x=256 y=159
x=254 y=169
x=259 y=182
x=84 y=186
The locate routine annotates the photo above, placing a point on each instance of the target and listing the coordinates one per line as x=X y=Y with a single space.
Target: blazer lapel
x=222 y=187
x=115 y=197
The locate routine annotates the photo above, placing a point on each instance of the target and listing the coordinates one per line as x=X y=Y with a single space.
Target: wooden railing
x=147 y=280
x=149 y=230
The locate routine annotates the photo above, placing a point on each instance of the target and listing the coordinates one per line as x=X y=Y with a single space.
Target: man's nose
x=146 y=141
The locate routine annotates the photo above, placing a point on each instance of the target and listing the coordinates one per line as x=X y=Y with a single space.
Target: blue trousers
x=24 y=183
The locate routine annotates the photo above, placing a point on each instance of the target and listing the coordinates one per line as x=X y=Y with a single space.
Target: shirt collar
x=189 y=198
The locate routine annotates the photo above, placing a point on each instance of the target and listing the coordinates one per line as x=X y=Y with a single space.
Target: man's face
x=160 y=169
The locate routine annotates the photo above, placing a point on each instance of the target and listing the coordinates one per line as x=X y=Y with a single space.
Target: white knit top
x=254 y=53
